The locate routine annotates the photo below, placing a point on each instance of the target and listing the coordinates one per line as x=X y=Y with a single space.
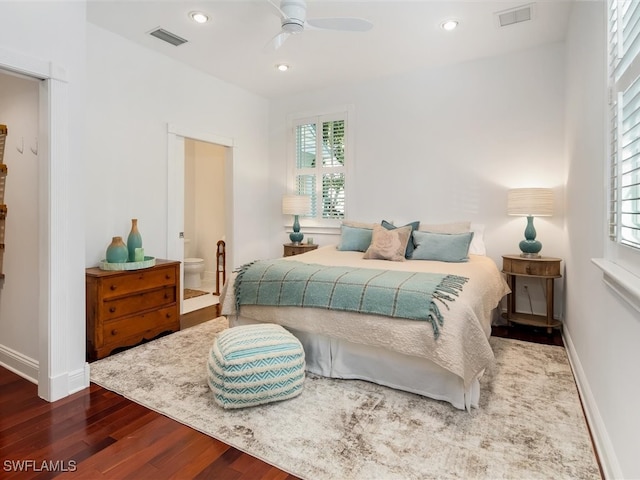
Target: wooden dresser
x=126 y=307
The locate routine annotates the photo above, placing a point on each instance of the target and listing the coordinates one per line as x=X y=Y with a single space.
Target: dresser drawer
x=147 y=325
x=141 y=280
x=122 y=306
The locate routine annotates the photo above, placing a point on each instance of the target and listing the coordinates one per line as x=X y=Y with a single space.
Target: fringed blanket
x=410 y=295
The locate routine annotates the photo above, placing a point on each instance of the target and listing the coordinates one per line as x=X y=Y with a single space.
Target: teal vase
x=117 y=251
x=134 y=240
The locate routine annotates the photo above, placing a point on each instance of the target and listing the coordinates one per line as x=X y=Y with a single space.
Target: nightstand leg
x=549 y=304
x=511 y=298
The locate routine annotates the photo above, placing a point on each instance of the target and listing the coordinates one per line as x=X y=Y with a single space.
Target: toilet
x=193 y=268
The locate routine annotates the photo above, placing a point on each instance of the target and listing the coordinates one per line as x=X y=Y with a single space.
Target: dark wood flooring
x=98 y=434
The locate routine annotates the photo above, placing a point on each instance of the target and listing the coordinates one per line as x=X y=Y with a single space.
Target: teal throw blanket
x=410 y=295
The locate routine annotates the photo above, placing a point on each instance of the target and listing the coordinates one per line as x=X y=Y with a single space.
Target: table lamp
x=296 y=205
x=530 y=202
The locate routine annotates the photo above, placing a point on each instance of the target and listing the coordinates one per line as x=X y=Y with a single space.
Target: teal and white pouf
x=255 y=364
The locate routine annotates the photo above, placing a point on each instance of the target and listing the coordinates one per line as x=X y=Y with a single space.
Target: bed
x=443 y=363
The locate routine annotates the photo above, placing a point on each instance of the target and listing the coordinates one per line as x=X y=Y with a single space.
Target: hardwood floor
x=98 y=434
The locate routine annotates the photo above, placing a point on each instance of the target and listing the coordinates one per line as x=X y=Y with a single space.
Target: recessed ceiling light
x=449 y=25
x=282 y=67
x=199 y=17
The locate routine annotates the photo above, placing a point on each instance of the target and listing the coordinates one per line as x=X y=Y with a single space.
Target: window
x=624 y=83
x=320 y=165
x=621 y=265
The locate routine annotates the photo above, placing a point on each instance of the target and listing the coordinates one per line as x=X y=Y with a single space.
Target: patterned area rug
x=191 y=293
x=529 y=425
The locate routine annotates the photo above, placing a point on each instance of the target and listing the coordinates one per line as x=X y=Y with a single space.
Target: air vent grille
x=168 y=37
x=515 y=15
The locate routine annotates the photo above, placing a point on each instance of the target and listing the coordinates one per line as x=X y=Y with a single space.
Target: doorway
x=61 y=367
x=184 y=143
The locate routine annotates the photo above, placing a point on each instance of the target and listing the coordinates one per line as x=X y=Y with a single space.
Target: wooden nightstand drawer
x=542 y=267
x=291 y=249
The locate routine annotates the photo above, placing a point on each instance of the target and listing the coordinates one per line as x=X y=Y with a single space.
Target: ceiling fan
x=293 y=15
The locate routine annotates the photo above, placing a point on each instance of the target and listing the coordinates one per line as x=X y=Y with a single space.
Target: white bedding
x=462 y=347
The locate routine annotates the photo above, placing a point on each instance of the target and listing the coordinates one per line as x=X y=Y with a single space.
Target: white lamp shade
x=535 y=202
x=296 y=204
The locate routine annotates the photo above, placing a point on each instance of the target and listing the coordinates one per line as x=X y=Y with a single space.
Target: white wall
x=135 y=93
x=445 y=144
x=18 y=313
x=602 y=330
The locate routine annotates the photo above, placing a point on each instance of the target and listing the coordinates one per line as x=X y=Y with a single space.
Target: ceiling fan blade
x=348 y=24
x=277 y=7
x=276 y=42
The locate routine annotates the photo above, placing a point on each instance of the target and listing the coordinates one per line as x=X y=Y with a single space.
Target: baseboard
x=198 y=316
x=604 y=447
x=19 y=364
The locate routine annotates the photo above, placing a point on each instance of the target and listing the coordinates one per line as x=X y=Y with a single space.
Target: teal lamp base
x=530 y=247
x=295 y=236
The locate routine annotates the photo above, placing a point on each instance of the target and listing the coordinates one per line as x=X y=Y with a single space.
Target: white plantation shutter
x=624 y=74
x=320 y=164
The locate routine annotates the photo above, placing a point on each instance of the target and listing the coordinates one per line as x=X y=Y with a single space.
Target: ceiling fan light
x=293 y=26
x=282 y=67
x=199 y=17
x=449 y=25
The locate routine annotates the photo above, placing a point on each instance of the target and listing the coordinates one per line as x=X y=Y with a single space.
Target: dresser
x=126 y=307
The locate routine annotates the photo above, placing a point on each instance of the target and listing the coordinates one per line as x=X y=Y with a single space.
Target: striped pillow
x=255 y=364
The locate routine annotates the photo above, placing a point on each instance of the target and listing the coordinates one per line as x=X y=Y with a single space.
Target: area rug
x=529 y=424
x=191 y=293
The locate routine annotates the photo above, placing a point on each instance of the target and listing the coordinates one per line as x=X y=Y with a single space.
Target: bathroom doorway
x=200 y=204
x=204 y=217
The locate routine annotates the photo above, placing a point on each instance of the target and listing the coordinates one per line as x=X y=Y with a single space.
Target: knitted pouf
x=255 y=364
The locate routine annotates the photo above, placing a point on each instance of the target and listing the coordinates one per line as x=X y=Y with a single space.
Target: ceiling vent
x=514 y=15
x=168 y=37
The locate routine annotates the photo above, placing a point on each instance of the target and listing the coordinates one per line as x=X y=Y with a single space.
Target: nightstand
x=291 y=249
x=546 y=268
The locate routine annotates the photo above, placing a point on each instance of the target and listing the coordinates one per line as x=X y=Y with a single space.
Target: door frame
x=57 y=311
x=175 y=190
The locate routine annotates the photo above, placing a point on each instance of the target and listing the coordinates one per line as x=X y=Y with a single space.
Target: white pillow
x=357 y=224
x=453 y=227
x=477 y=243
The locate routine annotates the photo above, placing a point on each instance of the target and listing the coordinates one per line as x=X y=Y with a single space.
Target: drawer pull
x=528 y=269
x=168 y=315
x=114 y=332
x=113 y=287
x=166 y=296
x=112 y=310
x=167 y=277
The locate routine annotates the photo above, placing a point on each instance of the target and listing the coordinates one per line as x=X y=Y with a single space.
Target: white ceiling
x=406 y=36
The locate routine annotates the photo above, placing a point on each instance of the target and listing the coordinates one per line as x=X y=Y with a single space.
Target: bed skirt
x=337 y=358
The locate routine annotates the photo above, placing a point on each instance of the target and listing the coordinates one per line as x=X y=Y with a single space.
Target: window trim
x=621 y=263
x=317 y=225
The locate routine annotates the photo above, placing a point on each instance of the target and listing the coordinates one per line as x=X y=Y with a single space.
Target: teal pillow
x=410 y=245
x=354 y=239
x=443 y=247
